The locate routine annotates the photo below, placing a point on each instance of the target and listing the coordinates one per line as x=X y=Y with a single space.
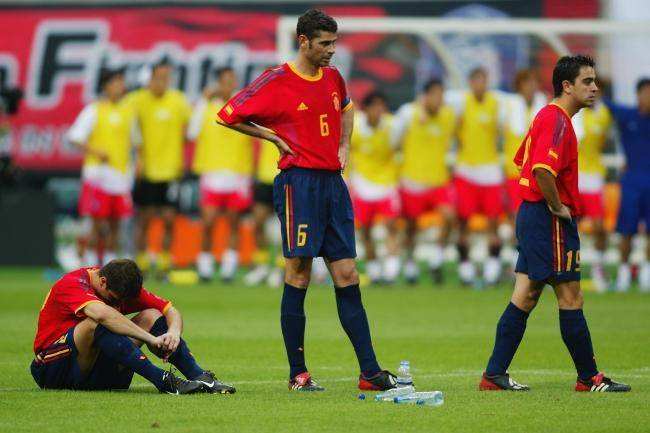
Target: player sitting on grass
x=85 y=342
x=547 y=233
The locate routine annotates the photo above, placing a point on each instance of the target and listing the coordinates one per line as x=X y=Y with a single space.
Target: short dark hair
x=372 y=97
x=162 y=63
x=521 y=76
x=567 y=68
x=222 y=70
x=432 y=82
x=314 y=21
x=107 y=74
x=477 y=71
x=123 y=277
x=645 y=81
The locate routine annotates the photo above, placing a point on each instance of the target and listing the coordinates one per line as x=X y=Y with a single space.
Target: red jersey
x=304 y=111
x=551 y=144
x=64 y=303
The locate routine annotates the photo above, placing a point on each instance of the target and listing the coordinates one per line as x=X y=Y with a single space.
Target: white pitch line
x=636 y=373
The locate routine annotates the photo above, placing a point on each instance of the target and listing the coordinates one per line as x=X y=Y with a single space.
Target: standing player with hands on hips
x=303 y=108
x=547 y=233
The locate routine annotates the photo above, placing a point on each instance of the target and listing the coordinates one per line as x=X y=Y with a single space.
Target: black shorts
x=157 y=194
x=263 y=193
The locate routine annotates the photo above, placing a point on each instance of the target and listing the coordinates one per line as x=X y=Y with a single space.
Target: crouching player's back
x=85 y=342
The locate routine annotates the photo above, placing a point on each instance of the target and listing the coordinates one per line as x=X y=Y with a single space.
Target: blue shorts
x=635 y=204
x=316 y=214
x=549 y=247
x=56 y=367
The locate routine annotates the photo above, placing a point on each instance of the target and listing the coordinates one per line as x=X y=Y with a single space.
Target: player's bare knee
x=571 y=301
x=345 y=275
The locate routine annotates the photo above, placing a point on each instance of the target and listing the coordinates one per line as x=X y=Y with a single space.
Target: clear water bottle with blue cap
x=432 y=398
x=404 y=377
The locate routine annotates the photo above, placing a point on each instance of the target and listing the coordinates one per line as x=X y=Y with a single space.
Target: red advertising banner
x=55 y=56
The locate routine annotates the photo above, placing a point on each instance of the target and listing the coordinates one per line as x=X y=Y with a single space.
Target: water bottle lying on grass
x=432 y=398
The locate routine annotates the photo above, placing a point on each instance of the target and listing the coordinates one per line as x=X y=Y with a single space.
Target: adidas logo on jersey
x=302 y=107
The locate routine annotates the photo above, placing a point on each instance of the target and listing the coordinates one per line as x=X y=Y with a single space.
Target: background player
x=85 y=342
x=373 y=181
x=549 y=245
x=520 y=112
x=224 y=160
x=162 y=114
x=268 y=265
x=478 y=174
x=634 y=127
x=312 y=123
x=423 y=130
x=103 y=130
x=592 y=126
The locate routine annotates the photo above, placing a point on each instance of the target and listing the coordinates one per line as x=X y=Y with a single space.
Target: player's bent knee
x=299 y=280
x=146 y=318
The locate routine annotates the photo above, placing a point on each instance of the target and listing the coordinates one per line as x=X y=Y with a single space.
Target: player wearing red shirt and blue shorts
x=85 y=342
x=304 y=109
x=547 y=233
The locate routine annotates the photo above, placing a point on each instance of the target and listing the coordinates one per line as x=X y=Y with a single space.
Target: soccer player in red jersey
x=304 y=109
x=85 y=342
x=547 y=233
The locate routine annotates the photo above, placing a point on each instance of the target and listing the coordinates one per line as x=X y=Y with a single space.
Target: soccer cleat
x=381 y=381
x=212 y=385
x=624 y=278
x=500 y=382
x=257 y=275
x=304 y=382
x=411 y=272
x=492 y=271
x=467 y=273
x=601 y=383
x=176 y=386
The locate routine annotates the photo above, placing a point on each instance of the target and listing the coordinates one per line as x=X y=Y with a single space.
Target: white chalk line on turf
x=636 y=373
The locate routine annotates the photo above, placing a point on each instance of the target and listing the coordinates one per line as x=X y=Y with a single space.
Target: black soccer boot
x=601 y=383
x=212 y=385
x=381 y=381
x=500 y=382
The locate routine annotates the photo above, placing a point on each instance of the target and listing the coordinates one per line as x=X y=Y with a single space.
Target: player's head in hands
x=317 y=37
x=117 y=280
x=574 y=81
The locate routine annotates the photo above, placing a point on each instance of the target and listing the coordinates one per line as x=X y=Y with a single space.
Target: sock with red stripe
x=355 y=323
x=292 y=321
x=121 y=349
x=576 y=337
x=510 y=331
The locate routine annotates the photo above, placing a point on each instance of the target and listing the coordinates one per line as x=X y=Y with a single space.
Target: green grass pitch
x=447 y=334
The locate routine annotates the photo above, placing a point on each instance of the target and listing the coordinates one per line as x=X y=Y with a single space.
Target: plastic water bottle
x=433 y=398
x=390 y=394
x=404 y=377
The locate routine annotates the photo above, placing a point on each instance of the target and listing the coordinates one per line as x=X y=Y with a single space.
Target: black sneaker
x=304 y=382
x=176 y=385
x=212 y=385
x=601 y=383
x=500 y=382
x=381 y=381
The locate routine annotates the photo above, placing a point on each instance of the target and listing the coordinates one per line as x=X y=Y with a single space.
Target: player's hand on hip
x=282 y=146
x=563 y=212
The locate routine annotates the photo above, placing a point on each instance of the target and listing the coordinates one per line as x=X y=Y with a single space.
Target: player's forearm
x=116 y=322
x=546 y=182
x=174 y=320
x=347 y=125
x=252 y=130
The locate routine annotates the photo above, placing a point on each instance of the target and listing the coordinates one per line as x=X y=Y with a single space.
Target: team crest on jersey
x=336 y=101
